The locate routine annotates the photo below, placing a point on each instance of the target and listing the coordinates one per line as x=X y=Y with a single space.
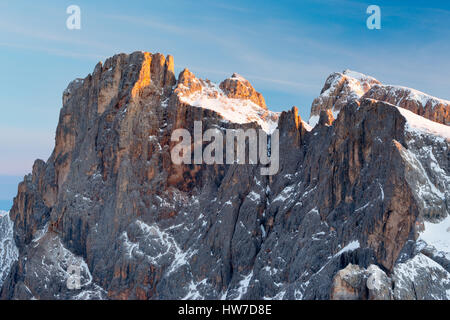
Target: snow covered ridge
x=361 y=83
x=239 y=111
x=409 y=94
x=418 y=124
x=361 y=77
x=341 y=88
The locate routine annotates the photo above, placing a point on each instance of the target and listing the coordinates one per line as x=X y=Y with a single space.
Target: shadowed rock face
x=8 y=250
x=110 y=200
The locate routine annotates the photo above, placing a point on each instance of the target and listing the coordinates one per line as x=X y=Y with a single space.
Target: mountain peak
x=237 y=76
x=234 y=99
x=358 y=76
x=341 y=88
x=238 y=87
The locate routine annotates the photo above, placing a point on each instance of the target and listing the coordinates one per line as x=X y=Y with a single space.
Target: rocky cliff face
x=340 y=219
x=8 y=249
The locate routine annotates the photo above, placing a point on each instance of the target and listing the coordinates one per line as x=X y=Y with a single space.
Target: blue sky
x=285 y=48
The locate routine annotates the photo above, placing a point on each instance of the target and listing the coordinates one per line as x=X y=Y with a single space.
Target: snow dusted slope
x=421 y=125
x=8 y=249
x=211 y=96
x=52 y=265
x=421 y=278
x=437 y=235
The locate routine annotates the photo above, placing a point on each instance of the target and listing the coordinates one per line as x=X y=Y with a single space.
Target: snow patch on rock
x=351 y=246
x=438 y=235
x=157 y=246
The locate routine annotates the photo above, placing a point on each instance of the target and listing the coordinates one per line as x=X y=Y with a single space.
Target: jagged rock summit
x=234 y=99
x=358 y=209
x=239 y=88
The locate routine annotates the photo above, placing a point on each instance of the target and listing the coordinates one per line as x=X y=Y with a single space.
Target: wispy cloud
x=54 y=51
x=34 y=32
x=150 y=22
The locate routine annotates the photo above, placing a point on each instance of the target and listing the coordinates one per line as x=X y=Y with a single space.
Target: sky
x=286 y=49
